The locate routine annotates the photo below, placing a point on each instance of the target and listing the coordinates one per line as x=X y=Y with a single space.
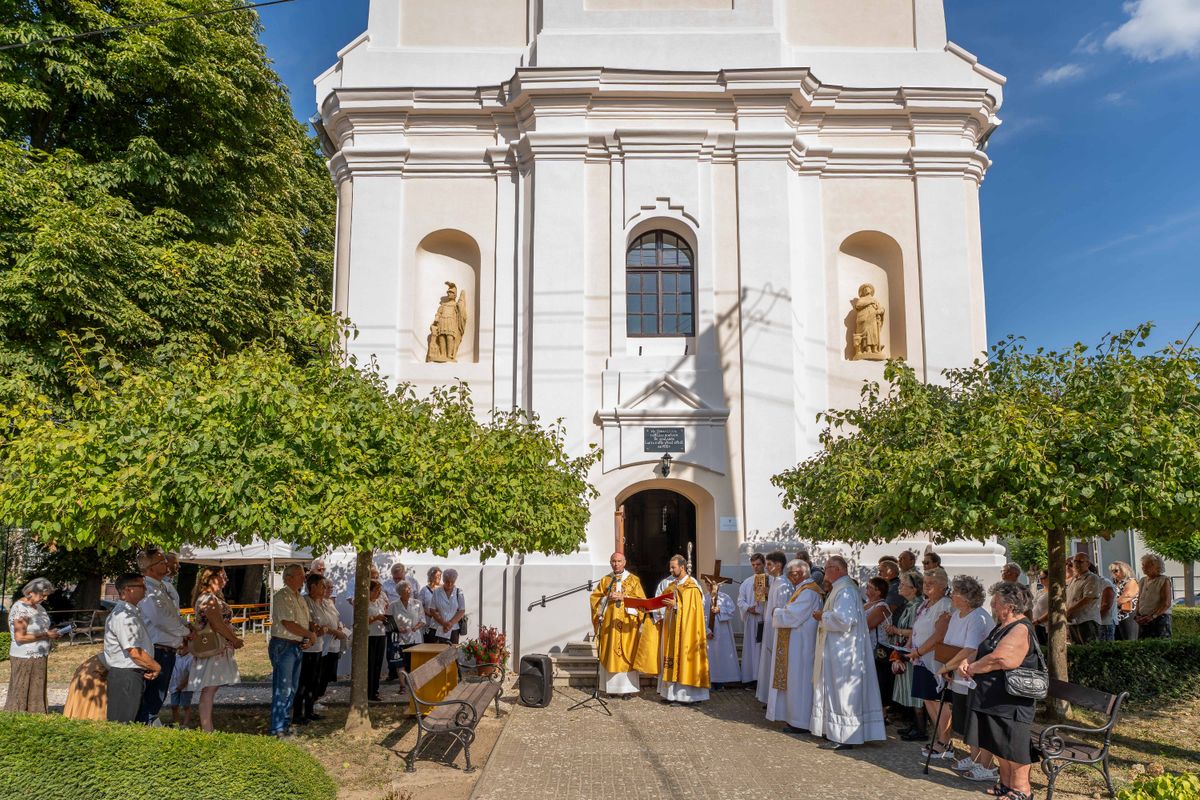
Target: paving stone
x=720 y=749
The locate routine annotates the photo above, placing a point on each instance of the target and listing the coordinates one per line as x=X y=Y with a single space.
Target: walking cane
x=936 y=725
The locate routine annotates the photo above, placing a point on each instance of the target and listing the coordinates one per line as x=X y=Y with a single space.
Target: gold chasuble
x=684 y=639
x=619 y=636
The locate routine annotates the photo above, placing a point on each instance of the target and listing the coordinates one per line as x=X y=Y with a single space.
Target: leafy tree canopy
x=157 y=188
x=1079 y=442
x=319 y=453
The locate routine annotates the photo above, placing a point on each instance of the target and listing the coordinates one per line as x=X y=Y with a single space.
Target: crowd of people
x=838 y=659
x=153 y=657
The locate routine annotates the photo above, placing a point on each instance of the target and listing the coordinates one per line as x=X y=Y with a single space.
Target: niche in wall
x=445 y=256
x=871 y=257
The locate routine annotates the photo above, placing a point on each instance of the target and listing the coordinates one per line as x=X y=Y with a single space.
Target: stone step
x=575 y=666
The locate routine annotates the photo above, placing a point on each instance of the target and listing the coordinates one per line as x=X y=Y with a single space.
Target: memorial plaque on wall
x=663 y=440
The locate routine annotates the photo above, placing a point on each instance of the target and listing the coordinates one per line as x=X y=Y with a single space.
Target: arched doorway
x=658 y=524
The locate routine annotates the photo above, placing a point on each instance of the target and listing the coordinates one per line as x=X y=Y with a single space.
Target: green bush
x=1164 y=787
x=1186 y=621
x=5 y=643
x=1150 y=670
x=54 y=758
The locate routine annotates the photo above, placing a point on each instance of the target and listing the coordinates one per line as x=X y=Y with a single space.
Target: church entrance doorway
x=659 y=523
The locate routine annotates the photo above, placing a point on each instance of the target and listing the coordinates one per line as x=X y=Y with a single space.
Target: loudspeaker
x=536 y=681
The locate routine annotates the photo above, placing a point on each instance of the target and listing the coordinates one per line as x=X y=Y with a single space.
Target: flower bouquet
x=487 y=649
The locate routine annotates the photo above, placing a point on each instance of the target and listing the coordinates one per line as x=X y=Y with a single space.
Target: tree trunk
x=87 y=592
x=252 y=585
x=1189 y=584
x=358 y=721
x=1056 y=570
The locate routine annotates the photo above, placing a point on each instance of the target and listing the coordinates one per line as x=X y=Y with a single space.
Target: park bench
x=88 y=625
x=459 y=713
x=1060 y=745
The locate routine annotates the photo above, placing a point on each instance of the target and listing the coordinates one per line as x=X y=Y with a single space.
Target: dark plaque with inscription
x=664 y=440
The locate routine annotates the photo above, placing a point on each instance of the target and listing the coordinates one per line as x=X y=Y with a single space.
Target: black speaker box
x=536 y=680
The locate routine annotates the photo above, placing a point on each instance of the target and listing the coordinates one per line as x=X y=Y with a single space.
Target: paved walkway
x=720 y=749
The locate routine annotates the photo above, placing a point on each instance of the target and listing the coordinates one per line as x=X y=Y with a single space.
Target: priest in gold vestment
x=684 y=677
x=623 y=650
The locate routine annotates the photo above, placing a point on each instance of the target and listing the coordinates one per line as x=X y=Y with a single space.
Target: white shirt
x=392 y=591
x=923 y=627
x=446 y=607
x=124 y=630
x=160 y=611
x=967 y=631
x=288 y=604
x=1041 y=603
x=37 y=621
x=374 y=608
x=1086 y=585
x=325 y=614
x=412 y=617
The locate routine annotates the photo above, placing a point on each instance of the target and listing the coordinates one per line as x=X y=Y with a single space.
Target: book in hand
x=650 y=604
x=65 y=629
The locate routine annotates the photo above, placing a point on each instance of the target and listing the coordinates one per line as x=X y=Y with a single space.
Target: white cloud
x=1067 y=72
x=1159 y=29
x=1088 y=45
x=1115 y=98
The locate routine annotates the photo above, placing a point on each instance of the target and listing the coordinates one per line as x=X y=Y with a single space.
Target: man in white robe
x=777 y=596
x=791 y=695
x=722 y=652
x=751 y=612
x=847 y=709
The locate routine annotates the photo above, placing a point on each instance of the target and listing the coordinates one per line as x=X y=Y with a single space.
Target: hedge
x=1150 y=669
x=5 y=643
x=1186 y=621
x=49 y=757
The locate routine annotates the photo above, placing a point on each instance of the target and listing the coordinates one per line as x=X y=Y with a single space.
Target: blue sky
x=1091 y=212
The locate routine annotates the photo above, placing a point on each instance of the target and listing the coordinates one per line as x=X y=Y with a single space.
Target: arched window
x=659 y=286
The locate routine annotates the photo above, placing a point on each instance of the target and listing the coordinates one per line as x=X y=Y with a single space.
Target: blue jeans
x=155 y=691
x=1108 y=633
x=285 y=677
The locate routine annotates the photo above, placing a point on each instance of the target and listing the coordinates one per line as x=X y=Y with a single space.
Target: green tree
x=157 y=191
x=1029 y=552
x=320 y=453
x=1044 y=443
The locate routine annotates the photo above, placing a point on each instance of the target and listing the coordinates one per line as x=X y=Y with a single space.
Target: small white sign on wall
x=729 y=524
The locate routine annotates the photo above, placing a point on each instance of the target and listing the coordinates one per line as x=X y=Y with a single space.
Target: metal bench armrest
x=1052 y=744
x=495 y=677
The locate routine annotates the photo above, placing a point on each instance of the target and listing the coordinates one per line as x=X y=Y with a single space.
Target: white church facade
x=658 y=217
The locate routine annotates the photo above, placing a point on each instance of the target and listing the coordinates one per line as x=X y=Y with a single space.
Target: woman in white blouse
x=928 y=631
x=335 y=640
x=29 y=651
x=410 y=621
x=969 y=625
x=377 y=612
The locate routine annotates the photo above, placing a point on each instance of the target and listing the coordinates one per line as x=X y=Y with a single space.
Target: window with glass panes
x=659 y=281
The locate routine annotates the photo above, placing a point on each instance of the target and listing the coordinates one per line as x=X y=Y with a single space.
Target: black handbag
x=1029 y=682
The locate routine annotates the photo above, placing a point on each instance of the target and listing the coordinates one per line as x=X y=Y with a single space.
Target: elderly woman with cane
x=999 y=721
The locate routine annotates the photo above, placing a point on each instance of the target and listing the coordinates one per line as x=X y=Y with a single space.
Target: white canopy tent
x=258 y=552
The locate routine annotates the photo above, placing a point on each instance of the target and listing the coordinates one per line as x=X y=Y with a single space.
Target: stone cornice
x=727 y=116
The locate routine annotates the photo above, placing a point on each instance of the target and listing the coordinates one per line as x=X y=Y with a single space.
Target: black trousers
x=883 y=673
x=328 y=672
x=125 y=688
x=155 y=692
x=1127 y=630
x=306 y=690
x=1084 y=632
x=1157 y=628
x=375 y=648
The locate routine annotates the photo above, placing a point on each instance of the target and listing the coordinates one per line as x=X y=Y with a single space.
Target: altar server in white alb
x=722 y=652
x=778 y=594
x=751 y=612
x=791 y=695
x=846 y=705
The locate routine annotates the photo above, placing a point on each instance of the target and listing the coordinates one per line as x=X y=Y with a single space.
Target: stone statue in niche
x=868 y=325
x=449 y=325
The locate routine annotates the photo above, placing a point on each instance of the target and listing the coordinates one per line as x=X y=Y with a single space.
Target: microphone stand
x=595 y=695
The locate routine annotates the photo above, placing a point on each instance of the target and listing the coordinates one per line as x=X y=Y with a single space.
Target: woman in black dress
x=999 y=722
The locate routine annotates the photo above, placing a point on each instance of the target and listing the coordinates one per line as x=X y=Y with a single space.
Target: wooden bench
x=1060 y=749
x=459 y=713
x=88 y=625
